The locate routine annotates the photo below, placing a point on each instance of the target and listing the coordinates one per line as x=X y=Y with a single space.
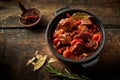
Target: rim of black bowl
x=56 y=19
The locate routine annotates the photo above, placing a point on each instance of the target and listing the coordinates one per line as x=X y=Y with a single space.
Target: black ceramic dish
x=61 y=13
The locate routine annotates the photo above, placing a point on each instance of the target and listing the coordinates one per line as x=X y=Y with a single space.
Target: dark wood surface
x=18 y=44
x=107 y=11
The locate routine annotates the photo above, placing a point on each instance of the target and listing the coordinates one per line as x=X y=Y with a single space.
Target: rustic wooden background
x=18 y=44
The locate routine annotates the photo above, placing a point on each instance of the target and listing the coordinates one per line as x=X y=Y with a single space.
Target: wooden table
x=18 y=44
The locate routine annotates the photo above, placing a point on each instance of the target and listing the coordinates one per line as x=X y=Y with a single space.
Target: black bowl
x=61 y=13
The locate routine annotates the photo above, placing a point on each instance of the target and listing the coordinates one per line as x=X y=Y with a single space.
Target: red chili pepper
x=68 y=15
x=97 y=37
x=78 y=21
x=31 y=17
x=55 y=41
x=76 y=40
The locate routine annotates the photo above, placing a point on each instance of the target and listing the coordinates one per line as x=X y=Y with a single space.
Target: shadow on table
x=105 y=69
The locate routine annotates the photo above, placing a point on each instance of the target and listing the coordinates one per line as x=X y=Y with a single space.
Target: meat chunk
x=65 y=38
x=82 y=28
x=85 y=37
x=57 y=32
x=66 y=24
x=76 y=48
x=86 y=22
x=61 y=50
x=92 y=45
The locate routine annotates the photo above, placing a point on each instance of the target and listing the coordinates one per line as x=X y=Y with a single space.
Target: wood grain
x=22 y=46
x=18 y=44
x=107 y=10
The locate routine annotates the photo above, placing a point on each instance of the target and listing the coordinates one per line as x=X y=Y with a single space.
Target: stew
x=76 y=36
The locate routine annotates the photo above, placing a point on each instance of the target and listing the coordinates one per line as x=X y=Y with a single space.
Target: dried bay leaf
x=79 y=15
x=38 y=56
x=33 y=63
x=37 y=61
x=30 y=61
x=40 y=62
x=36 y=52
x=52 y=60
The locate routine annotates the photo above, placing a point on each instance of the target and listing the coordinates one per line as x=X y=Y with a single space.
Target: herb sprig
x=66 y=75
